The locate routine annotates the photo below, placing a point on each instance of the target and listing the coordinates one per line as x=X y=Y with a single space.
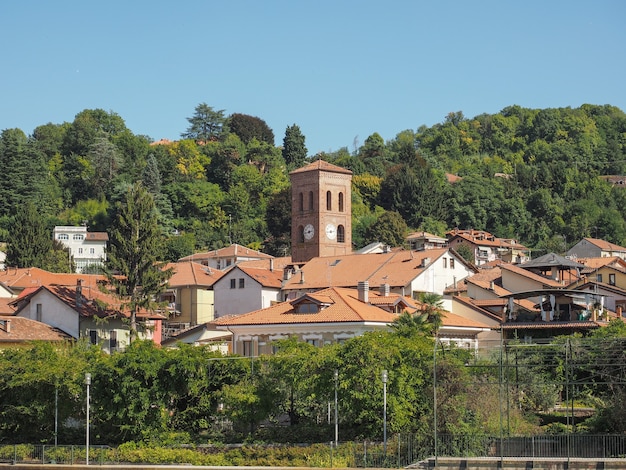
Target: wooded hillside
x=530 y=174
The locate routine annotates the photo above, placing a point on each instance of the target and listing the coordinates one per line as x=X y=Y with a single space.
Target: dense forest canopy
x=534 y=175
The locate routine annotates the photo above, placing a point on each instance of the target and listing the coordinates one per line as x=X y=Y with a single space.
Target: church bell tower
x=321 y=211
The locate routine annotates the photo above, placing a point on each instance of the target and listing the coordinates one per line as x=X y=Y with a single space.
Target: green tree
x=250 y=127
x=390 y=229
x=294 y=149
x=24 y=175
x=133 y=259
x=31 y=239
x=205 y=125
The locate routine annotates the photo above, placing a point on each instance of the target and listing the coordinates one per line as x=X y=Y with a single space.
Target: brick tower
x=321 y=211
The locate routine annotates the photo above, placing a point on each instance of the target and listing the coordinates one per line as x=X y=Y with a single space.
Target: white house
x=83 y=312
x=86 y=248
x=244 y=289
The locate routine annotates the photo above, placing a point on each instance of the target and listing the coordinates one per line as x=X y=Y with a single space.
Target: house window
x=599 y=277
x=445 y=262
x=92 y=251
x=329 y=201
x=301 y=202
x=340 y=202
x=483 y=253
x=612 y=279
x=39 y=312
x=93 y=336
x=341 y=234
x=228 y=262
x=314 y=342
x=311 y=200
x=242 y=283
x=300 y=234
x=77 y=236
x=112 y=340
x=451 y=263
x=233 y=283
x=247 y=348
x=63 y=236
x=80 y=251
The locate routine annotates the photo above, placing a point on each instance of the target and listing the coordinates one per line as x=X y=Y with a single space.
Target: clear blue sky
x=340 y=69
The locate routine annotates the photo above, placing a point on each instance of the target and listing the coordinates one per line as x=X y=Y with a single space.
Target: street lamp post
x=88 y=383
x=336 y=410
x=385 y=412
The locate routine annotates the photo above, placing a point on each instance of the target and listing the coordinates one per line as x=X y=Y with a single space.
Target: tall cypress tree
x=294 y=150
x=135 y=244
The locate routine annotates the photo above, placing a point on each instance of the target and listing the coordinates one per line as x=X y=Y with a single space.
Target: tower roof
x=321 y=165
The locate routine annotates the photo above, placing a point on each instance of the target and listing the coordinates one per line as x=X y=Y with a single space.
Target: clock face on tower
x=309 y=231
x=331 y=231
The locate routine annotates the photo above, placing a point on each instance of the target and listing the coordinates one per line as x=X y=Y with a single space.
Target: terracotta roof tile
x=5 y=307
x=227 y=252
x=186 y=273
x=21 y=278
x=526 y=273
x=604 y=245
x=21 y=330
x=397 y=268
x=343 y=306
x=265 y=277
x=321 y=165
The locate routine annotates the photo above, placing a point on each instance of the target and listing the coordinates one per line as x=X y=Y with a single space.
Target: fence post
x=331 y=454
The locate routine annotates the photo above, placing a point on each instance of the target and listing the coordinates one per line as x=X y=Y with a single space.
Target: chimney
x=272 y=264
x=384 y=290
x=79 y=293
x=425 y=262
x=287 y=273
x=363 y=288
x=301 y=277
x=491 y=286
x=7 y=325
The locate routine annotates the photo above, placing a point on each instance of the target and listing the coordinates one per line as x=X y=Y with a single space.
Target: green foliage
x=135 y=251
x=294 y=148
x=389 y=228
x=250 y=127
x=205 y=125
x=30 y=239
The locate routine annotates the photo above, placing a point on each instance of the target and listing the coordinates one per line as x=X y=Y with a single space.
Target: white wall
x=237 y=301
x=54 y=312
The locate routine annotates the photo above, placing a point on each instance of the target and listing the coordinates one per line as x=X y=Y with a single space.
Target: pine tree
x=30 y=240
x=135 y=244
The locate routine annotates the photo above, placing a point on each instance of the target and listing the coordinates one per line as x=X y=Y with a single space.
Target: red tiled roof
x=93 y=302
x=397 y=268
x=604 y=245
x=96 y=236
x=5 y=306
x=265 y=277
x=186 y=273
x=343 y=306
x=228 y=252
x=321 y=165
x=482 y=238
x=22 y=330
x=536 y=277
x=21 y=278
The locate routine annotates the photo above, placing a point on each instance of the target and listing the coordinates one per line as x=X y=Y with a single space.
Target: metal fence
x=50 y=454
x=400 y=450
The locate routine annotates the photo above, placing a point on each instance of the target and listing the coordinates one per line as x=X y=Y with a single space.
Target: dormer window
x=307 y=307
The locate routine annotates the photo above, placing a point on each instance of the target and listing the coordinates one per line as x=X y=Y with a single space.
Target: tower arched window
x=329 y=201
x=300 y=234
x=340 y=202
x=301 y=202
x=311 y=200
x=341 y=234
